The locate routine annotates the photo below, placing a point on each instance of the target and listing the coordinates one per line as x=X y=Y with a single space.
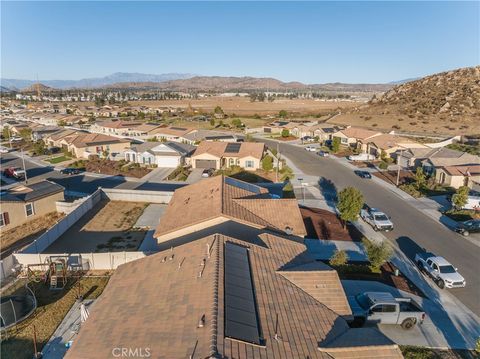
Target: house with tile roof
x=458 y=176
x=117 y=128
x=431 y=158
x=22 y=203
x=351 y=136
x=217 y=155
x=83 y=144
x=244 y=287
x=165 y=154
x=387 y=144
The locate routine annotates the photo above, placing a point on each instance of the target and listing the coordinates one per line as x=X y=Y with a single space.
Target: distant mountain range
x=94 y=82
x=183 y=82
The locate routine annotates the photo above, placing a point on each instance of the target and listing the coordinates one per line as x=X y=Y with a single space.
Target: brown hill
x=447 y=102
x=219 y=83
x=37 y=86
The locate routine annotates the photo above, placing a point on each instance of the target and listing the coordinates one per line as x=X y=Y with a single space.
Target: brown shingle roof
x=157 y=302
x=91 y=139
x=463 y=170
x=222 y=196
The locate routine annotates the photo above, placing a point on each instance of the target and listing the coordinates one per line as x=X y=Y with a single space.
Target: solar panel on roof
x=178 y=128
x=242 y=185
x=233 y=148
x=241 y=317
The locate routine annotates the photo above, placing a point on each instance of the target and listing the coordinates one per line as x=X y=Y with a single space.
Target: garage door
x=168 y=161
x=205 y=164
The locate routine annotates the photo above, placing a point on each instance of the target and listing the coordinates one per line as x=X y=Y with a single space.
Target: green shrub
x=383 y=165
x=460 y=198
x=350 y=202
x=339 y=258
x=267 y=163
x=285 y=133
x=377 y=253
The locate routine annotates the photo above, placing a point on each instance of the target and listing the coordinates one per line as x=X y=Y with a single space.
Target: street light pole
x=24 y=168
x=398 y=165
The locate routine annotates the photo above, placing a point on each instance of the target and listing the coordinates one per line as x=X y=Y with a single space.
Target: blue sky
x=311 y=42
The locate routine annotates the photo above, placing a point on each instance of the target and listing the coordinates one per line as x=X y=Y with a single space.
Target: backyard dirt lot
x=108 y=227
x=24 y=234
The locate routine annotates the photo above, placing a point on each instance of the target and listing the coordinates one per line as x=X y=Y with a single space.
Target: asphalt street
x=82 y=183
x=414 y=231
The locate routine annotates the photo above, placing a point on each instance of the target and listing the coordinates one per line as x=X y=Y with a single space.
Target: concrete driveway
x=437 y=331
x=158 y=174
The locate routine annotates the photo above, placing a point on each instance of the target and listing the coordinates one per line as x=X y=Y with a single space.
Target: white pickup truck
x=383 y=308
x=440 y=270
x=377 y=219
x=361 y=157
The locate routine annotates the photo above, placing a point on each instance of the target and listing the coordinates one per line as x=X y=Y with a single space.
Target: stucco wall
x=17 y=214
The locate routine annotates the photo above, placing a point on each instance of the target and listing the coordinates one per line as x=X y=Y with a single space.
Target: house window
x=231 y=161
x=249 y=164
x=4 y=219
x=344 y=140
x=29 y=210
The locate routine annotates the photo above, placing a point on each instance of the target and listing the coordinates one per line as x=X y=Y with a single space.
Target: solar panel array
x=178 y=128
x=241 y=319
x=233 y=148
x=243 y=185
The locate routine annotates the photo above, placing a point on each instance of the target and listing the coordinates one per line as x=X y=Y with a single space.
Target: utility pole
x=278 y=163
x=398 y=167
x=24 y=168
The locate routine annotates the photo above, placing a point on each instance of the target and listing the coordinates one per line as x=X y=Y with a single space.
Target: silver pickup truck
x=384 y=308
x=440 y=270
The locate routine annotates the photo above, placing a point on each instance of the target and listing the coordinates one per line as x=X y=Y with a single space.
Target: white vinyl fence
x=82 y=261
x=133 y=195
x=53 y=233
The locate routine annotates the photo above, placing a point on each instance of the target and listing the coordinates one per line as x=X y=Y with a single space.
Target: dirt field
x=23 y=234
x=243 y=106
x=108 y=227
x=429 y=125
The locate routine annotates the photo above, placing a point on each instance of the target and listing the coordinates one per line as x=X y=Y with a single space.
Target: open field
x=242 y=106
x=108 y=227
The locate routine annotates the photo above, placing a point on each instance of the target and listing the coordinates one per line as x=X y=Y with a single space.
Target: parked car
x=14 y=172
x=361 y=157
x=70 y=171
x=4 y=149
x=207 y=172
x=384 y=308
x=363 y=174
x=467 y=227
x=311 y=149
x=323 y=154
x=440 y=270
x=376 y=218
x=308 y=139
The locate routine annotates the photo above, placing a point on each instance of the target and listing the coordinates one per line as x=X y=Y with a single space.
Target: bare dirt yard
x=108 y=227
x=22 y=235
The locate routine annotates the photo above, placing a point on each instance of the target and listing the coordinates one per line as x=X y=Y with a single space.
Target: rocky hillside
x=447 y=102
x=453 y=93
x=37 y=86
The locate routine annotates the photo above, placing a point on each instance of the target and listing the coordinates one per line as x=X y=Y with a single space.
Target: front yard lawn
x=58 y=159
x=17 y=342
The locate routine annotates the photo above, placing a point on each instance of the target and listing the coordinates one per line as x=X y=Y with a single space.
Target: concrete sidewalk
x=66 y=331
